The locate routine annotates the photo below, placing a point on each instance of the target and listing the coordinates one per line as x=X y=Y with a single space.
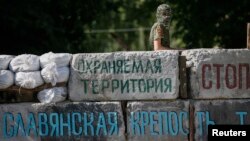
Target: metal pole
x=248 y=35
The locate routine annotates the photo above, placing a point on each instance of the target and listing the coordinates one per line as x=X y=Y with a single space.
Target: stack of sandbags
x=6 y=76
x=55 y=69
x=30 y=71
x=27 y=71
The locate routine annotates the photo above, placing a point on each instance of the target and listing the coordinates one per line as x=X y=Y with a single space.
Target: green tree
x=40 y=26
x=209 y=23
x=30 y=26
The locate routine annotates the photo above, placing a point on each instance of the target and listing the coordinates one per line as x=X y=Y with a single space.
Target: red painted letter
x=204 y=66
x=218 y=66
x=246 y=76
x=233 y=76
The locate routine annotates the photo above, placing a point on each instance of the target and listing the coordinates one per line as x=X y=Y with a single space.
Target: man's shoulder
x=156 y=25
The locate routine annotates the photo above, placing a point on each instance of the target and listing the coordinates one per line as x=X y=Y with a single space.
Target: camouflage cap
x=162 y=8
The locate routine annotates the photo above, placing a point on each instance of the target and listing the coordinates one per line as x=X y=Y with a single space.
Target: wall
x=165 y=95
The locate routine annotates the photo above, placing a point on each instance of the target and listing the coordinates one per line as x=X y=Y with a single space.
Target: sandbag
x=5 y=61
x=61 y=59
x=63 y=74
x=25 y=63
x=52 y=95
x=29 y=80
x=6 y=79
x=52 y=74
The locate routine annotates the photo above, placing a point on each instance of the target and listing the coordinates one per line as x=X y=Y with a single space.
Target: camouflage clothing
x=160 y=30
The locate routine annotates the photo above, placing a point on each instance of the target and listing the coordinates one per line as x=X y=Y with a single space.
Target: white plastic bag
x=25 y=63
x=61 y=59
x=29 y=80
x=6 y=79
x=52 y=74
x=63 y=74
x=53 y=95
x=5 y=61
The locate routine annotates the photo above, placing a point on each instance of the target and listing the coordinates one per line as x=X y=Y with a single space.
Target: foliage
x=30 y=26
x=209 y=23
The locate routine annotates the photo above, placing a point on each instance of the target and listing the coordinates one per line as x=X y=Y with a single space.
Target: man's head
x=163 y=14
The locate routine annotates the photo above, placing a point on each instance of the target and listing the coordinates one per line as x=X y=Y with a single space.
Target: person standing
x=159 y=34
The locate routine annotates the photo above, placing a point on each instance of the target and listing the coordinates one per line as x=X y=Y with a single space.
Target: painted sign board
x=218 y=73
x=63 y=121
x=124 y=76
x=161 y=120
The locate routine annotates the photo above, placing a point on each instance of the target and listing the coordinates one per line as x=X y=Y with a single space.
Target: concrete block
x=124 y=76
x=63 y=121
x=207 y=112
x=161 y=120
x=218 y=73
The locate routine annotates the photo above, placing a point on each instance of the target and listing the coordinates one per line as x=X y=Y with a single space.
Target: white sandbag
x=25 y=63
x=29 y=80
x=5 y=61
x=61 y=59
x=63 y=74
x=52 y=74
x=6 y=79
x=53 y=95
